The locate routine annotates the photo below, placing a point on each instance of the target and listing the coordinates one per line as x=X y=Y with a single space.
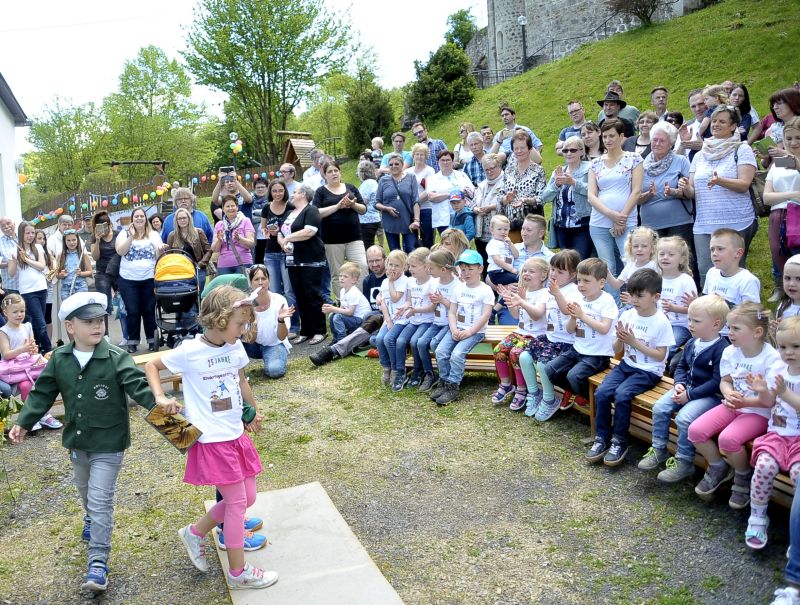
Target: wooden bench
x=642 y=427
x=141 y=361
x=481 y=358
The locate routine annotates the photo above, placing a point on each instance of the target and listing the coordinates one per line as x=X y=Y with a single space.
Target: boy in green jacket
x=93 y=378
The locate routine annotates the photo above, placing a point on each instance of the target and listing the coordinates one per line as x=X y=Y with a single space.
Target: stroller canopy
x=172 y=267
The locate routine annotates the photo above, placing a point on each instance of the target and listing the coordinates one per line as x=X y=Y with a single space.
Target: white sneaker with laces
x=251 y=577
x=196 y=546
x=787 y=596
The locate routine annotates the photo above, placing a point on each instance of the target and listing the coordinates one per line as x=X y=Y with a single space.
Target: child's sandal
x=519 y=401
x=756 y=535
x=501 y=394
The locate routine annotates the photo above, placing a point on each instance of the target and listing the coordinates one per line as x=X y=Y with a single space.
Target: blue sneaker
x=96 y=578
x=253 y=523
x=532 y=401
x=86 y=534
x=547 y=409
x=251 y=541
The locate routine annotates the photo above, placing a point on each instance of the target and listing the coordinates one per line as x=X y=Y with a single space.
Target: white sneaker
x=48 y=421
x=786 y=596
x=252 y=577
x=36 y=427
x=196 y=547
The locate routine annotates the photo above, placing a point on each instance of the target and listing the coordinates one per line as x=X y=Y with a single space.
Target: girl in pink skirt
x=215 y=389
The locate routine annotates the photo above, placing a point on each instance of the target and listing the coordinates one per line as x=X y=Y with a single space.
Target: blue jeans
x=621 y=385
x=427 y=342
x=229 y=270
x=409 y=241
x=326 y=285
x=280 y=284
x=5 y=388
x=385 y=341
x=35 y=303
x=342 y=325
x=578 y=369
x=609 y=248
x=410 y=335
x=275 y=358
x=451 y=356
x=682 y=336
x=95 y=475
x=687 y=413
x=140 y=307
x=793 y=566
x=576 y=238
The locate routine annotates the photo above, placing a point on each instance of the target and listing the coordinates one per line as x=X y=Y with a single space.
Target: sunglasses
x=418 y=133
x=570 y=150
x=70 y=232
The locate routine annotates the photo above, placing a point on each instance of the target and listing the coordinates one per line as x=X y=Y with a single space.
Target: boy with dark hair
x=644 y=336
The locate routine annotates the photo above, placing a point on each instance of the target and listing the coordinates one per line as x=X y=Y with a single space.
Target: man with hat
x=612 y=104
x=94 y=379
x=629 y=112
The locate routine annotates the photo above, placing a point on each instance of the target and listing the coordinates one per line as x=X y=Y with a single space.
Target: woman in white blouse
x=139 y=248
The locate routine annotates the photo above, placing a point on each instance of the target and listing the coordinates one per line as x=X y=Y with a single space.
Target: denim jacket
x=580 y=194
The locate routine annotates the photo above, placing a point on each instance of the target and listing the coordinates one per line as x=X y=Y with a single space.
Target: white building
x=11 y=117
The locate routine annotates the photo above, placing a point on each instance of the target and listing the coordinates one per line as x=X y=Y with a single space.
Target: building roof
x=10 y=101
x=298 y=151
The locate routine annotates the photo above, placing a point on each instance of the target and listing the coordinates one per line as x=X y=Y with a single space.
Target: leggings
x=735 y=428
x=506 y=358
x=236 y=498
x=766 y=469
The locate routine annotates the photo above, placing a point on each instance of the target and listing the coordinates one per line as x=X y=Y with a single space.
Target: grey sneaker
x=386 y=377
x=427 y=382
x=450 y=393
x=251 y=577
x=440 y=388
x=399 y=381
x=653 y=458
x=392 y=377
x=711 y=481
x=740 y=491
x=597 y=451
x=196 y=546
x=677 y=470
x=532 y=401
x=546 y=409
x=616 y=453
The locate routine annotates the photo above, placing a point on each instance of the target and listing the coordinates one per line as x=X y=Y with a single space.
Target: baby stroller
x=177 y=293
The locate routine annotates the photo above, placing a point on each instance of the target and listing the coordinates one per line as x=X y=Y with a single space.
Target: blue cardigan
x=701 y=378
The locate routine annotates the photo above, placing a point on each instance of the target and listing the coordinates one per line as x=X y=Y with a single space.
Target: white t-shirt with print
x=672 y=291
x=449 y=291
x=783 y=419
x=735 y=289
x=267 y=323
x=589 y=341
x=470 y=302
x=496 y=247
x=211 y=391
x=654 y=331
x=737 y=366
x=139 y=262
x=354 y=298
x=630 y=268
x=421 y=297
x=527 y=325
x=400 y=285
x=556 y=320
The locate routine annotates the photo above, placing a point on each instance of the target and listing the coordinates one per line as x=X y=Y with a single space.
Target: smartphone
x=786 y=161
x=226 y=169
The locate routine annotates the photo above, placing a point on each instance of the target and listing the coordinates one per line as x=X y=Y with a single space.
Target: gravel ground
x=468 y=504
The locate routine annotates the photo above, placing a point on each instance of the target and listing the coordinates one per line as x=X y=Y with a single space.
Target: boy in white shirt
x=353 y=305
x=644 y=334
x=726 y=278
x=501 y=253
x=592 y=321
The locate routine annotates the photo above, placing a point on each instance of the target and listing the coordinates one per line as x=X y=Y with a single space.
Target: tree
x=444 y=84
x=369 y=113
x=267 y=56
x=461 y=28
x=641 y=9
x=326 y=117
x=69 y=142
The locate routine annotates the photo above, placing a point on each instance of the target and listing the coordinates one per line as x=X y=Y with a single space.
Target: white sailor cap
x=83 y=305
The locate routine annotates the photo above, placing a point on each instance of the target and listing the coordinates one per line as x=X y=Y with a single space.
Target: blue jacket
x=580 y=193
x=700 y=375
x=464 y=220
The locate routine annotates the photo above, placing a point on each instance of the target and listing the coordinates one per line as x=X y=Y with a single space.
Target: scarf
x=230 y=226
x=654 y=167
x=716 y=149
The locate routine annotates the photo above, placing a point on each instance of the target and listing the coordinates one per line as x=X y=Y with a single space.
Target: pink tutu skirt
x=222 y=463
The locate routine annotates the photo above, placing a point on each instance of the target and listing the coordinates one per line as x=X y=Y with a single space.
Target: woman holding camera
x=103 y=252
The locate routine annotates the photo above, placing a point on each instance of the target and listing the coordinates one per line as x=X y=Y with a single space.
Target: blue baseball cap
x=456 y=195
x=470 y=257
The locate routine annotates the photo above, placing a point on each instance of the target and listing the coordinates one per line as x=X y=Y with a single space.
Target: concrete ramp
x=319 y=559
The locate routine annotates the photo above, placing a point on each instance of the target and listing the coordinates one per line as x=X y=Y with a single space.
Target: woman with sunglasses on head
x=567 y=190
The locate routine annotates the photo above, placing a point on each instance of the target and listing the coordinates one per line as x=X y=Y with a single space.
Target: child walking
x=643 y=336
x=468 y=317
x=419 y=310
x=528 y=307
x=778 y=449
x=94 y=379
x=696 y=390
x=393 y=294
x=216 y=390
x=501 y=253
x=562 y=290
x=677 y=286
x=441 y=265
x=74 y=266
x=740 y=418
x=17 y=342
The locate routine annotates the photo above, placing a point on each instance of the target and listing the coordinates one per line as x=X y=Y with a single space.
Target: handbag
x=792 y=225
x=23 y=367
x=760 y=209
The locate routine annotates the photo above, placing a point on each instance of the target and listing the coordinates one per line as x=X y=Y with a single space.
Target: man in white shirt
x=313 y=176
x=287 y=172
x=689 y=131
x=658 y=99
